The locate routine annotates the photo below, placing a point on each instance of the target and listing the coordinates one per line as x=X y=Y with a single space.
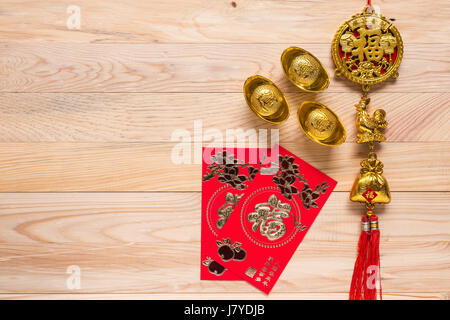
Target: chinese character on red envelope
x=226 y=175
x=270 y=219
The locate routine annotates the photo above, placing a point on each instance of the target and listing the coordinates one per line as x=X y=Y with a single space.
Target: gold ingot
x=370 y=186
x=321 y=124
x=265 y=99
x=304 y=70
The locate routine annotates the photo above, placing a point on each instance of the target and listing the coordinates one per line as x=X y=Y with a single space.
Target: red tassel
x=358 y=283
x=372 y=273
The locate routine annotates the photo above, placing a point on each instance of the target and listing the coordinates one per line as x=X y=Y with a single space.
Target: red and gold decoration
x=368 y=49
x=270 y=219
x=226 y=174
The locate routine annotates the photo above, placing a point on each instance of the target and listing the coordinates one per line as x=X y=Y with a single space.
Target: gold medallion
x=367 y=49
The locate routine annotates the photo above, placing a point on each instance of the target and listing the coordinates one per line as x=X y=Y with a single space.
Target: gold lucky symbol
x=363 y=49
x=321 y=124
x=265 y=99
x=370 y=186
x=304 y=70
x=369 y=127
x=368 y=49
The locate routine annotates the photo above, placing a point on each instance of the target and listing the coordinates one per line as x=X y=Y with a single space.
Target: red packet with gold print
x=270 y=220
x=226 y=175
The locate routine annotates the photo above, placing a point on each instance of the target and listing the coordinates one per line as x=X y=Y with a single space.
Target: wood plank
x=94 y=110
x=69 y=67
x=232 y=296
x=153 y=117
x=206 y=21
x=26 y=167
x=318 y=266
x=152 y=218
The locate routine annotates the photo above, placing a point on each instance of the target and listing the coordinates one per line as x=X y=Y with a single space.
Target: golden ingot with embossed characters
x=370 y=186
x=265 y=99
x=321 y=124
x=304 y=70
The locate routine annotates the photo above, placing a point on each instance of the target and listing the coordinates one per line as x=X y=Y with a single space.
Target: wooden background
x=86 y=118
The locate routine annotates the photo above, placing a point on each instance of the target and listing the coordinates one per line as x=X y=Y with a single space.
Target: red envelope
x=226 y=174
x=270 y=220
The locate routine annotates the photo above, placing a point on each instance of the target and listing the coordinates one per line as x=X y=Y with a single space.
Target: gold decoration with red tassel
x=368 y=49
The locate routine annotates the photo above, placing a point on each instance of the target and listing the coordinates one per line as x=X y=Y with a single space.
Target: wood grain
x=153 y=117
x=125 y=237
x=218 y=296
x=26 y=167
x=93 y=110
x=199 y=21
x=160 y=217
x=73 y=67
x=317 y=266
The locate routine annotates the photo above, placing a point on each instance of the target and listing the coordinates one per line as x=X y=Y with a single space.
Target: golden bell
x=370 y=186
x=265 y=99
x=321 y=124
x=304 y=70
